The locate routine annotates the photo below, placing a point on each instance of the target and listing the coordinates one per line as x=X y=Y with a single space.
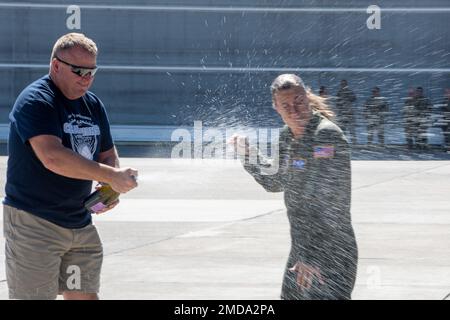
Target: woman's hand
x=241 y=144
x=305 y=275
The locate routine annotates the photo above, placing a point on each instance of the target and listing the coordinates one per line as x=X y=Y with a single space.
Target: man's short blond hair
x=72 y=40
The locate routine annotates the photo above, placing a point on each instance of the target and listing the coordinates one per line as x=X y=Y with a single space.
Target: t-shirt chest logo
x=83 y=135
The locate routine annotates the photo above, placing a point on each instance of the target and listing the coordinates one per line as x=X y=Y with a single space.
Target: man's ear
x=54 y=64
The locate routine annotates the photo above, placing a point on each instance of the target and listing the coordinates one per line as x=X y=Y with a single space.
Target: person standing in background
x=375 y=111
x=344 y=107
x=409 y=120
x=423 y=111
x=445 y=112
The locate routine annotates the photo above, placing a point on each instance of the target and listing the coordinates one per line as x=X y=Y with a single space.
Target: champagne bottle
x=101 y=198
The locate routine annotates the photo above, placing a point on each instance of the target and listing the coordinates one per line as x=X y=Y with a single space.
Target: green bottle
x=101 y=198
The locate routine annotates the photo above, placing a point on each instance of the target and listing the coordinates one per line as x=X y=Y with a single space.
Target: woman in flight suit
x=314 y=173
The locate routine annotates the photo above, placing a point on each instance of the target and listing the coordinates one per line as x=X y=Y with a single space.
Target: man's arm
x=63 y=161
x=110 y=158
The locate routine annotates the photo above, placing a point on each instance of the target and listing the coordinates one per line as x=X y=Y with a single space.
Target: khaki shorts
x=43 y=259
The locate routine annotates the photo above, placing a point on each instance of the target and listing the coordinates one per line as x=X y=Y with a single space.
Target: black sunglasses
x=80 y=71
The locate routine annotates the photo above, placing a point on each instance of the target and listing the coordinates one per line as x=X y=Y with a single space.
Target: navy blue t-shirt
x=81 y=124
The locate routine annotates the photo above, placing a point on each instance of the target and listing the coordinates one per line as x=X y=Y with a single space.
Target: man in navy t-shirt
x=59 y=143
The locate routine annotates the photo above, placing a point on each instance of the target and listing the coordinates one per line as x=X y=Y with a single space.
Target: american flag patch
x=321 y=152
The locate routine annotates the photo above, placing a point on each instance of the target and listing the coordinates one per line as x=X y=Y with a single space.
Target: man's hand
x=110 y=206
x=305 y=274
x=123 y=179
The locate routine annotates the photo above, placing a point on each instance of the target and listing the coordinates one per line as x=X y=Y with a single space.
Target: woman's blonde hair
x=72 y=40
x=289 y=81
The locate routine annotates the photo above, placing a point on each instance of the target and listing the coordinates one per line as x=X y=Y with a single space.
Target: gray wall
x=210 y=40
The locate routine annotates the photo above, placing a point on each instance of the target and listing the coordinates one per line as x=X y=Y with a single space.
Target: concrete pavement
x=203 y=229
